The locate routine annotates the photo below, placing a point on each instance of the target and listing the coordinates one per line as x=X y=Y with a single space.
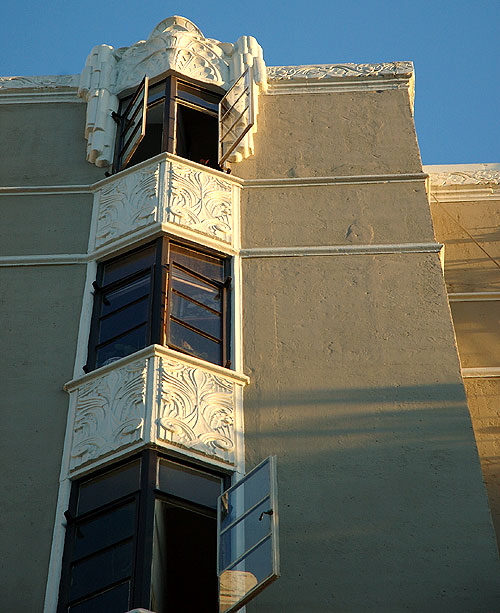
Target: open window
x=143 y=533
x=166 y=293
x=185 y=117
x=170 y=114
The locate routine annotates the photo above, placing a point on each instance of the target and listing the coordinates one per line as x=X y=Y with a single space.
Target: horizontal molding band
x=473 y=296
x=246 y=183
x=333 y=180
x=41 y=97
x=488 y=372
x=55 y=259
x=24 y=190
x=328 y=87
x=274 y=252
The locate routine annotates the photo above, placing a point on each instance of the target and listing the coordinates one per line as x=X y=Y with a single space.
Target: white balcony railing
x=155 y=396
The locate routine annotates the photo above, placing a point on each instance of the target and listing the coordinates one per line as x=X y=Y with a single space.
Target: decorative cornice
x=175 y=44
x=478 y=177
x=395 y=70
x=464 y=182
x=488 y=372
x=39 y=83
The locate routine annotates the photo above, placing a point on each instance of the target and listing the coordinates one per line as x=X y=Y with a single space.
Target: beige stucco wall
x=40 y=309
x=468 y=226
x=354 y=377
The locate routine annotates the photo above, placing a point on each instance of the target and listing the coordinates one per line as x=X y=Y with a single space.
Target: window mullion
x=170 y=116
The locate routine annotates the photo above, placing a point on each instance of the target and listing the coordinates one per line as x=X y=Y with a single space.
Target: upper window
x=183 y=117
x=164 y=293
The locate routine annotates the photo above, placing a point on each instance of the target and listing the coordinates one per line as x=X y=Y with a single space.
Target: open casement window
x=236 y=115
x=165 y=293
x=248 y=537
x=142 y=533
x=177 y=115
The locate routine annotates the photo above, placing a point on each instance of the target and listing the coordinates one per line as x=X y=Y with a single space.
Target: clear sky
x=455 y=46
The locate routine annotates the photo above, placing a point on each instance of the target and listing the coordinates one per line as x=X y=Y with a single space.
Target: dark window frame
x=144 y=496
x=172 y=103
x=160 y=302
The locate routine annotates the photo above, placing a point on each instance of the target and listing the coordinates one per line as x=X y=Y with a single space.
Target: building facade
x=223 y=297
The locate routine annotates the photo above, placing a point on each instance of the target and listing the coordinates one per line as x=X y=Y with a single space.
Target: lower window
x=143 y=534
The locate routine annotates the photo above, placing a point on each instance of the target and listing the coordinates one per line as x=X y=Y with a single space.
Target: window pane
x=108 y=487
x=101 y=570
x=115 y=600
x=237 y=582
x=128 y=317
x=194 y=344
x=251 y=528
x=125 y=345
x=127 y=265
x=201 y=97
x=156 y=92
x=205 y=265
x=247 y=492
x=124 y=295
x=105 y=530
x=196 y=316
x=188 y=483
x=194 y=288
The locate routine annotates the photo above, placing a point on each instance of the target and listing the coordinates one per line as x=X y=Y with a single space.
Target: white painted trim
x=24 y=190
x=488 y=372
x=85 y=320
x=464 y=193
x=273 y=252
x=41 y=97
x=159 y=350
x=329 y=87
x=473 y=296
x=334 y=180
x=51 y=259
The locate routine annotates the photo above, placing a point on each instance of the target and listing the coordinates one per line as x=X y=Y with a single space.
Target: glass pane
x=115 y=600
x=105 y=530
x=125 y=295
x=189 y=484
x=194 y=288
x=196 y=316
x=128 y=317
x=101 y=570
x=246 y=493
x=127 y=265
x=195 y=344
x=205 y=265
x=184 y=574
x=201 y=97
x=251 y=528
x=156 y=92
x=125 y=345
x=253 y=570
x=108 y=487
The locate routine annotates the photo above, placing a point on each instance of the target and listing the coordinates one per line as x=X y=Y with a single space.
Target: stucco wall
x=45 y=145
x=354 y=377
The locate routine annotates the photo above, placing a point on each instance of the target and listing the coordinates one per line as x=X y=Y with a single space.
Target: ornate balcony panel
x=156 y=396
x=168 y=194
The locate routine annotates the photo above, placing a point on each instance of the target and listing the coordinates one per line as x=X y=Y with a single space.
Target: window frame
x=160 y=304
x=172 y=101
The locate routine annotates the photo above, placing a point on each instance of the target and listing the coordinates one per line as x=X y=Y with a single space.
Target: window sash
x=133 y=124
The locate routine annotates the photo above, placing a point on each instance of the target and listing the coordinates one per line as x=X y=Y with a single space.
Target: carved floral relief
x=196 y=408
x=126 y=204
x=109 y=413
x=199 y=201
x=478 y=177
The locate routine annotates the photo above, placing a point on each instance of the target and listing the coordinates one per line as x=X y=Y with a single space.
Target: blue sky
x=455 y=47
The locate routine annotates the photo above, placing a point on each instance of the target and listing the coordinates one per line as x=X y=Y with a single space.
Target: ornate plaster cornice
x=175 y=44
x=464 y=182
x=38 y=83
x=479 y=177
x=396 y=70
